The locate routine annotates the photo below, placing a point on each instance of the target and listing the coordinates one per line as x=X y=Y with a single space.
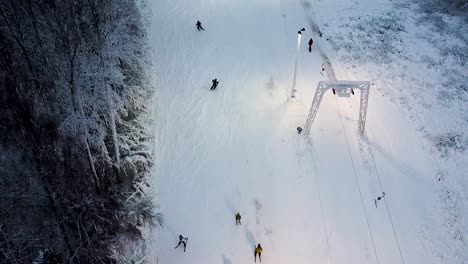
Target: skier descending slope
x=238 y=219
x=182 y=241
x=311 y=41
x=258 y=250
x=199 y=26
x=215 y=84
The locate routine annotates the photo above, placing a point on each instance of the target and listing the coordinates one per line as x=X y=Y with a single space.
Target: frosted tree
x=74 y=150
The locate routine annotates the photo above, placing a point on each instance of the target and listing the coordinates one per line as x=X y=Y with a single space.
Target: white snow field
x=236 y=149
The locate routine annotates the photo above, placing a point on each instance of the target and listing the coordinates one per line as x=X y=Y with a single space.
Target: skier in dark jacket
x=238 y=218
x=182 y=241
x=215 y=84
x=199 y=26
x=311 y=41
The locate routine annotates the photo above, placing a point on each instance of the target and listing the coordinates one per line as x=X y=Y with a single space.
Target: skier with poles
x=258 y=251
x=311 y=41
x=215 y=84
x=182 y=241
x=199 y=26
x=238 y=219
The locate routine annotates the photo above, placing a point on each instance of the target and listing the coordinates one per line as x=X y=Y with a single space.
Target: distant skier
x=311 y=41
x=199 y=26
x=379 y=198
x=238 y=219
x=215 y=84
x=182 y=241
x=258 y=250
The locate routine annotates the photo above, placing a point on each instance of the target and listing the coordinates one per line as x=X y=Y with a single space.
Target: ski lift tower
x=342 y=89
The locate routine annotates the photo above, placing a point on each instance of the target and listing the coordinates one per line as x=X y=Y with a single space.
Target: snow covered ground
x=236 y=149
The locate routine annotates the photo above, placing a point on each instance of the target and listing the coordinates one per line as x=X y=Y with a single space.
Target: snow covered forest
x=75 y=143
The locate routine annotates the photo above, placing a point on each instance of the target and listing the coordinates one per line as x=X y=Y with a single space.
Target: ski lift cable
x=357 y=183
x=355 y=175
x=378 y=180
x=372 y=157
x=322 y=212
x=377 y=174
x=378 y=177
x=317 y=14
x=385 y=201
x=317 y=184
x=354 y=170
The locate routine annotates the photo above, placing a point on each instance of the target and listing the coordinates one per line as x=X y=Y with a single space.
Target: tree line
x=75 y=153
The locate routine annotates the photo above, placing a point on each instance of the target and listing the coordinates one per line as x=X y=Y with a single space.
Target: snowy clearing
x=235 y=149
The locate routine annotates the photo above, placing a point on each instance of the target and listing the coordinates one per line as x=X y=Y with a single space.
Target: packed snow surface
x=236 y=149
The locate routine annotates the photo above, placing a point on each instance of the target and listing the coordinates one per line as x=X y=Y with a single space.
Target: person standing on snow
x=215 y=84
x=199 y=26
x=258 y=251
x=311 y=41
x=238 y=218
x=182 y=241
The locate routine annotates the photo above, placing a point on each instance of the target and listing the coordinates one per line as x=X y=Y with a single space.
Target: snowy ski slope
x=236 y=149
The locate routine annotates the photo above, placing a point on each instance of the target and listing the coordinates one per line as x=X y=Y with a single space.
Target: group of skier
x=257 y=252
x=258 y=249
x=215 y=80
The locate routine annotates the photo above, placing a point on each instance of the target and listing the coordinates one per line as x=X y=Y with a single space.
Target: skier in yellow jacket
x=258 y=250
